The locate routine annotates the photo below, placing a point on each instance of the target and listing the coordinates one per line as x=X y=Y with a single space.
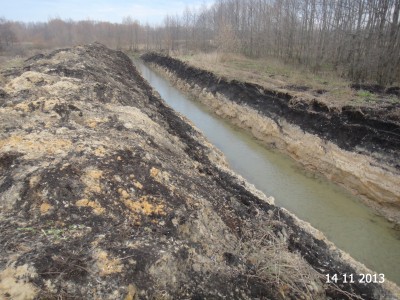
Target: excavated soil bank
x=107 y=193
x=357 y=147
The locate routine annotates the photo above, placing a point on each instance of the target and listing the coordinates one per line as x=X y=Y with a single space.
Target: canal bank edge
x=108 y=193
x=357 y=150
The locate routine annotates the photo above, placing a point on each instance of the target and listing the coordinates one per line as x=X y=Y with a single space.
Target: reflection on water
x=346 y=222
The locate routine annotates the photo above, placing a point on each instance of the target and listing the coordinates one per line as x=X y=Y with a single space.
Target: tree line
x=359 y=39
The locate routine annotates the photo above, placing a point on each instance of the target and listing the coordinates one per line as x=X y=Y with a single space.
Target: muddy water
x=349 y=224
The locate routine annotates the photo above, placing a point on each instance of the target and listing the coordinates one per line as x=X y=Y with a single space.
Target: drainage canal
x=341 y=217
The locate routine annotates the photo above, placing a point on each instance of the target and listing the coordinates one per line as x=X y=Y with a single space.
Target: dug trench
x=355 y=147
x=107 y=193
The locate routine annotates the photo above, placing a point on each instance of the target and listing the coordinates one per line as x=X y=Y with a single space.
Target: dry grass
x=274 y=74
x=9 y=62
x=291 y=276
x=274 y=265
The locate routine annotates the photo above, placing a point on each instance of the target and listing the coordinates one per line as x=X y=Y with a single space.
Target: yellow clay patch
x=144 y=206
x=60 y=87
x=50 y=103
x=100 y=151
x=45 y=208
x=27 y=81
x=92 y=123
x=22 y=107
x=92 y=180
x=97 y=208
x=138 y=185
x=159 y=176
x=107 y=265
x=95 y=174
x=33 y=181
x=15 y=283
x=65 y=166
x=132 y=292
x=124 y=194
x=34 y=145
x=154 y=172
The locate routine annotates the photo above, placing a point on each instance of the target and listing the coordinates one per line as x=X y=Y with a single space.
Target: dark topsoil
x=375 y=131
x=96 y=206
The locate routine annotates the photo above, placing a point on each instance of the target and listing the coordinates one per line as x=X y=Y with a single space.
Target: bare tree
x=359 y=38
x=7 y=35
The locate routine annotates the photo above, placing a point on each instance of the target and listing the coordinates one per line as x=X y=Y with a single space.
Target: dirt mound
x=105 y=192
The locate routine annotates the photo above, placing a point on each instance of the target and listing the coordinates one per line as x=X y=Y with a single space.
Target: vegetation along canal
x=349 y=224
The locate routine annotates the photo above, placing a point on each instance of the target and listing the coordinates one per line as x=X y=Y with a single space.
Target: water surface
x=341 y=217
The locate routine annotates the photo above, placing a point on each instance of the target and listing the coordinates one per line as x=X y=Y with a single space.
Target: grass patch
x=393 y=99
x=13 y=62
x=57 y=233
x=365 y=97
x=274 y=74
x=133 y=53
x=365 y=94
x=7 y=62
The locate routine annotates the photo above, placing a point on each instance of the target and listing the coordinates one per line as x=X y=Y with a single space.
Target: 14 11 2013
x=351 y=278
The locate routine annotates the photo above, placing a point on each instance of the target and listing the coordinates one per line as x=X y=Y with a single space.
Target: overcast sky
x=152 y=11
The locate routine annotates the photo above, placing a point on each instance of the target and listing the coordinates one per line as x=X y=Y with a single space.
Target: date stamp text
x=352 y=278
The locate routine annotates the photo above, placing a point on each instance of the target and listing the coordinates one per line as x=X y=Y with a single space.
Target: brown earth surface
x=107 y=193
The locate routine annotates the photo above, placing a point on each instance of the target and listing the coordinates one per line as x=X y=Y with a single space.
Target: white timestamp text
x=352 y=278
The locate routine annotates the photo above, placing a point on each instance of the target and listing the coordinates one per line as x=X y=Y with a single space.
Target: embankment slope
x=106 y=192
x=356 y=147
